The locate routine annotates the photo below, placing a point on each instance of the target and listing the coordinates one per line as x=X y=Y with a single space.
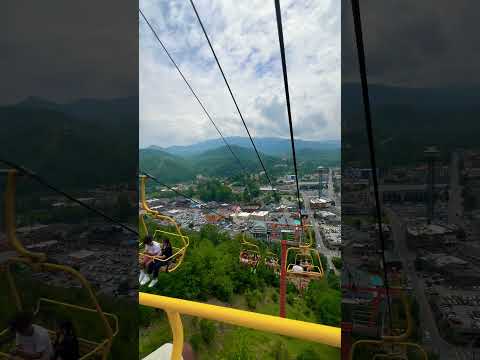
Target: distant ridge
x=218 y=162
x=93 y=134
x=269 y=146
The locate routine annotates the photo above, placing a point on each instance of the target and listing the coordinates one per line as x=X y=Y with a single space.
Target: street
x=322 y=248
x=444 y=349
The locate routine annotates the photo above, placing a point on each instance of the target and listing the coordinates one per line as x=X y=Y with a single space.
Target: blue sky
x=244 y=36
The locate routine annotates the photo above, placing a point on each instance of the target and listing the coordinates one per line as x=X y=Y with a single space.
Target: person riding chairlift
x=244 y=258
x=307 y=265
x=297 y=268
x=154 y=266
x=66 y=342
x=152 y=248
x=272 y=262
x=32 y=341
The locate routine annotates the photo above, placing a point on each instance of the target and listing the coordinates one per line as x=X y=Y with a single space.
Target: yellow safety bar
x=324 y=334
x=179 y=252
x=78 y=307
x=38 y=261
x=398 y=340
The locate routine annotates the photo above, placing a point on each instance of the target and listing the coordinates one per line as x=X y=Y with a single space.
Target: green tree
x=324 y=261
x=307 y=354
x=280 y=351
x=337 y=262
x=208 y=331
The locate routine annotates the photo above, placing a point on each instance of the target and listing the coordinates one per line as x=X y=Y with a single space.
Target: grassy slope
x=231 y=339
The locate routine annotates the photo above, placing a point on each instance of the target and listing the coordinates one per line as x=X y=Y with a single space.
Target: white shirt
x=38 y=342
x=153 y=248
x=297 y=268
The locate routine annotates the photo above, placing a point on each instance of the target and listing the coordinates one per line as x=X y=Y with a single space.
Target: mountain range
x=406 y=120
x=270 y=146
x=220 y=162
x=78 y=144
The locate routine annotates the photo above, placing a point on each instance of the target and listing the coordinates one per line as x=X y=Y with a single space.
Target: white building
x=259 y=215
x=240 y=218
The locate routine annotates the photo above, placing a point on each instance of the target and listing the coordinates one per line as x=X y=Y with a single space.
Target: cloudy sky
x=411 y=43
x=244 y=35
x=63 y=51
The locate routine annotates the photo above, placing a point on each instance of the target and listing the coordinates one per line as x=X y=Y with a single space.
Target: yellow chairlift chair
x=179 y=241
x=249 y=253
x=393 y=347
x=272 y=261
x=306 y=257
x=89 y=349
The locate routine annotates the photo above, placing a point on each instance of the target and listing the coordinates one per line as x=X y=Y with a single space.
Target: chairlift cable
x=45 y=183
x=368 y=122
x=177 y=192
x=194 y=94
x=287 y=96
x=232 y=96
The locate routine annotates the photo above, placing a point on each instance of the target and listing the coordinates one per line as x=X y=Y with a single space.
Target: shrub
x=308 y=354
x=252 y=298
x=196 y=342
x=290 y=298
x=281 y=351
x=208 y=330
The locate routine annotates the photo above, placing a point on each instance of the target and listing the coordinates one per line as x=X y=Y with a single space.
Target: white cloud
x=244 y=36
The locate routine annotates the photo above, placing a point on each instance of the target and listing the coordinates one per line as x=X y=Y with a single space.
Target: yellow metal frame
x=389 y=342
x=324 y=334
x=178 y=252
x=38 y=263
x=305 y=252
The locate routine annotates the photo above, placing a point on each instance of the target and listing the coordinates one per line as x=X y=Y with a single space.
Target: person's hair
x=67 y=326
x=21 y=321
x=167 y=242
x=147 y=239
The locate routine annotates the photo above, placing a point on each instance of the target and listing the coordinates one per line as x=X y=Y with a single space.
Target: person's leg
x=156 y=269
x=146 y=278
x=151 y=267
x=143 y=268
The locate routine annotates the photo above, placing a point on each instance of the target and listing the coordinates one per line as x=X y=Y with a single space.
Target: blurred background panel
x=69 y=114
x=423 y=77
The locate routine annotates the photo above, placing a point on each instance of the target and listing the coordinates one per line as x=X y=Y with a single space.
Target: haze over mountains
x=269 y=146
x=218 y=161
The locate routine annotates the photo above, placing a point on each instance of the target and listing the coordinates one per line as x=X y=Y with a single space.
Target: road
x=444 y=349
x=321 y=246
